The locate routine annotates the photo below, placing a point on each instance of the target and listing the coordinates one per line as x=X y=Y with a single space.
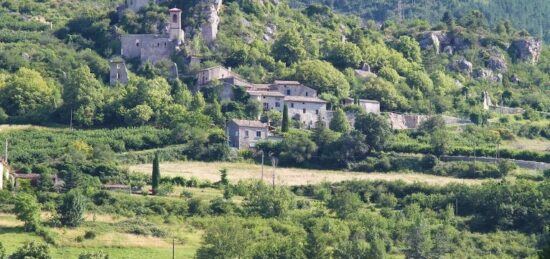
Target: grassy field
x=283 y=176
x=528 y=144
x=108 y=239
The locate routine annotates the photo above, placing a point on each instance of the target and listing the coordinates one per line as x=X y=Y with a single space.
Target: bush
x=472 y=170
x=89 y=234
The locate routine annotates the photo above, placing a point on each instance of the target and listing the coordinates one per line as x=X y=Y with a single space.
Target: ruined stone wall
x=147 y=47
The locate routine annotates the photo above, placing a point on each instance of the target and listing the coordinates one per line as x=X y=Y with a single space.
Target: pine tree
x=286 y=122
x=156 y=174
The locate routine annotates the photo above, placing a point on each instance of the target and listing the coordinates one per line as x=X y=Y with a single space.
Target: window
x=304 y=110
x=266 y=106
x=258 y=134
x=117 y=76
x=236 y=133
x=292 y=105
x=174 y=18
x=277 y=104
x=288 y=92
x=246 y=134
x=137 y=43
x=317 y=112
x=307 y=94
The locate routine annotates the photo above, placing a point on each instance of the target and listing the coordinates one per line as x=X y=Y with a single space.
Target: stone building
x=292 y=88
x=307 y=110
x=154 y=47
x=244 y=134
x=217 y=73
x=118 y=73
x=268 y=99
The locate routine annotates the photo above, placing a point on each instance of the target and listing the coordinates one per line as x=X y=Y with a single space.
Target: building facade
x=154 y=47
x=292 y=88
x=245 y=134
x=306 y=110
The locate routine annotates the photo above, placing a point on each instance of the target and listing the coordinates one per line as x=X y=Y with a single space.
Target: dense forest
x=434 y=58
x=528 y=15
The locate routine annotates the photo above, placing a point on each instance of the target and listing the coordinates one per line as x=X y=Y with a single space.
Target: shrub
x=89 y=234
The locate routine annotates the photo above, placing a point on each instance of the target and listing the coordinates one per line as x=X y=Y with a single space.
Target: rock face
x=527 y=49
x=497 y=64
x=461 y=65
x=209 y=29
x=486 y=74
x=442 y=42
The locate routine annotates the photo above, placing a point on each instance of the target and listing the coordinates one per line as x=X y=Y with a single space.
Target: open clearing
x=284 y=176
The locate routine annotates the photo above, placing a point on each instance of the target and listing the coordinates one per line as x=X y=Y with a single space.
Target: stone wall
x=294 y=90
x=307 y=112
x=118 y=73
x=413 y=121
x=147 y=47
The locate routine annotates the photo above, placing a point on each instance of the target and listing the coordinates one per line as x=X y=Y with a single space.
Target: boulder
x=527 y=49
x=461 y=65
x=497 y=64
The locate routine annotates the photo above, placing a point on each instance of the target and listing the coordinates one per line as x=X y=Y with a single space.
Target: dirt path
x=284 y=176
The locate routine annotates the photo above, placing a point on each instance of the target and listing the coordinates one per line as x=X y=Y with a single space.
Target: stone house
x=154 y=47
x=269 y=100
x=217 y=73
x=292 y=88
x=307 y=110
x=244 y=134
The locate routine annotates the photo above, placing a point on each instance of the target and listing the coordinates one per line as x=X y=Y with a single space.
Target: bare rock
x=527 y=49
x=497 y=64
x=462 y=65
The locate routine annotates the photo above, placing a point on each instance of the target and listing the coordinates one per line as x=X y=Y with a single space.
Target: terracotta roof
x=265 y=93
x=283 y=82
x=304 y=99
x=249 y=123
x=368 y=101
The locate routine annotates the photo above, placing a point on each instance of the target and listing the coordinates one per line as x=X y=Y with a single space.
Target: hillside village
x=273 y=129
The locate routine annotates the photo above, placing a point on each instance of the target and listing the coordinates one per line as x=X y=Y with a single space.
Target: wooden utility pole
x=274 y=163
x=173 y=248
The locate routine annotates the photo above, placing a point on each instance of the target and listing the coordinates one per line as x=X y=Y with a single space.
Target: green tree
x=32 y=250
x=27 y=210
x=286 y=120
x=27 y=93
x=269 y=202
x=83 y=96
x=419 y=240
x=345 y=203
x=323 y=77
x=410 y=49
x=198 y=103
x=344 y=54
x=72 y=209
x=215 y=112
x=352 y=249
x=223 y=177
x=153 y=92
x=431 y=125
x=339 y=122
x=155 y=178
x=297 y=148
x=375 y=127
x=289 y=47
x=377 y=249
x=227 y=239
x=139 y=115
x=439 y=140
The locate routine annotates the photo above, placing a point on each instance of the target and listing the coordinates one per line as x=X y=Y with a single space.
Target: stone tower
x=176 y=33
x=119 y=73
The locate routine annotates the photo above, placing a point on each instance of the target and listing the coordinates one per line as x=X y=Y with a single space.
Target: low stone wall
x=520 y=163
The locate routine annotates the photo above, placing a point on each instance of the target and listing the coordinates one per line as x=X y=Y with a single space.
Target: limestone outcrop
x=209 y=29
x=527 y=49
x=462 y=65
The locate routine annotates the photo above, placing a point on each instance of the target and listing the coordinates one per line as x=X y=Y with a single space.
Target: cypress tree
x=285 y=125
x=156 y=174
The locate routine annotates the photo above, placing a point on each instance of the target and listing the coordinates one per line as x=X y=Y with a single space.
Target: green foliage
x=72 y=209
x=27 y=210
x=323 y=77
x=93 y=255
x=376 y=129
x=289 y=47
x=286 y=120
x=155 y=177
x=344 y=54
x=339 y=122
x=345 y=203
x=226 y=240
x=83 y=96
x=27 y=93
x=32 y=250
x=269 y=202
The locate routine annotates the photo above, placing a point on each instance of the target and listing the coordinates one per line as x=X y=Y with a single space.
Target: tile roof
x=283 y=82
x=249 y=123
x=304 y=99
x=265 y=93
